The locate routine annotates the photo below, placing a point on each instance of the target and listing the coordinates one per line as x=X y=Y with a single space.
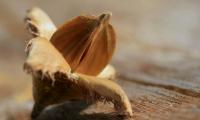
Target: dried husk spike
x=39 y=23
x=86 y=42
x=108 y=90
x=53 y=81
x=44 y=57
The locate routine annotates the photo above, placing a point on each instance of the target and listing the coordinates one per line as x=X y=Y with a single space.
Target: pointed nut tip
x=109 y=13
x=105 y=17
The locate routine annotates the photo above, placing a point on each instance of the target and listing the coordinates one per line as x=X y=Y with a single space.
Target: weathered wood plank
x=148 y=102
x=158 y=103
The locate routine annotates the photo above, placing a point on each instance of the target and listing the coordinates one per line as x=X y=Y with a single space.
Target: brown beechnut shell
x=71 y=62
x=86 y=41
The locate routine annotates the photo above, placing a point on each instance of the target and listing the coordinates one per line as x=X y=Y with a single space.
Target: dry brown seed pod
x=53 y=81
x=86 y=41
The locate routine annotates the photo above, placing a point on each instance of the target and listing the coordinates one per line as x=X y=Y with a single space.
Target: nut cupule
x=49 y=64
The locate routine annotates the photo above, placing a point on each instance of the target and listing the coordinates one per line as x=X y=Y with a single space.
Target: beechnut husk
x=71 y=62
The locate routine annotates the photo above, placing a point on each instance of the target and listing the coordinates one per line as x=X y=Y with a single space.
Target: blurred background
x=172 y=26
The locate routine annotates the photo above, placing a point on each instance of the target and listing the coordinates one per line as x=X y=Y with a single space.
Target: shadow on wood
x=76 y=111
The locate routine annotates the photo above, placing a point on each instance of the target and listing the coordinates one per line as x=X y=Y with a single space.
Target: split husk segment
x=55 y=79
